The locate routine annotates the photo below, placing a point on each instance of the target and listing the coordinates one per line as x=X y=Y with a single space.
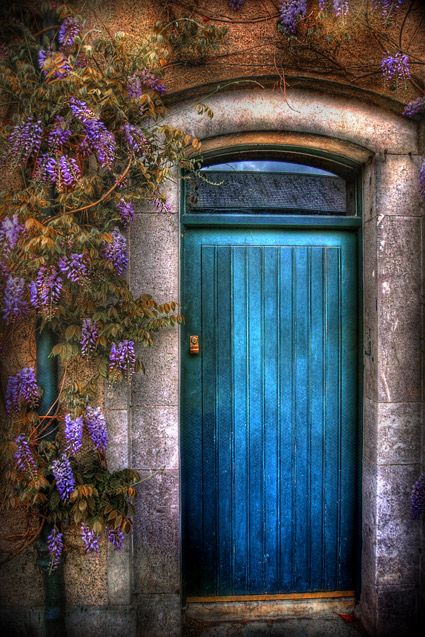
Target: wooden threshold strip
x=271 y=598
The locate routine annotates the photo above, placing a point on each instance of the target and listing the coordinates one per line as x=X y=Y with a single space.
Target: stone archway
x=145 y=420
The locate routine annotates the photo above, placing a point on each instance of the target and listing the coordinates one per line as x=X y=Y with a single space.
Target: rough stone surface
x=369 y=190
x=154 y=248
x=155 y=437
x=85 y=575
x=118 y=440
x=399 y=307
x=396 y=614
x=159 y=385
x=156 y=537
x=108 y=622
x=370 y=300
x=117 y=395
x=14 y=577
x=312 y=627
x=399 y=433
x=305 y=112
x=159 y=615
x=397 y=186
x=119 y=574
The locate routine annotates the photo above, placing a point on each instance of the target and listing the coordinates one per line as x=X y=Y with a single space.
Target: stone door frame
x=144 y=580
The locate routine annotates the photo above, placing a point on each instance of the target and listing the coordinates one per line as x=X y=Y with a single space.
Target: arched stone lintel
x=327 y=145
x=304 y=112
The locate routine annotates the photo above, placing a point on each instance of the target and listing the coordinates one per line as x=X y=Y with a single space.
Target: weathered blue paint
x=269 y=410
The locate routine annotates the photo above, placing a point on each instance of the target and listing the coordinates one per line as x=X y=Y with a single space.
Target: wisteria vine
x=89 y=143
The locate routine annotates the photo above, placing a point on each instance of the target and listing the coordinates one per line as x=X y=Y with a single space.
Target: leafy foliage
x=85 y=131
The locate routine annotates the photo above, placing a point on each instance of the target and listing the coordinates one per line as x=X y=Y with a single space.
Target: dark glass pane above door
x=267 y=187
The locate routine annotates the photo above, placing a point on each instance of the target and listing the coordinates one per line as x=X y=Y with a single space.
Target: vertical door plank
x=208 y=475
x=224 y=419
x=287 y=392
x=255 y=406
x=332 y=397
x=317 y=406
x=241 y=414
x=271 y=327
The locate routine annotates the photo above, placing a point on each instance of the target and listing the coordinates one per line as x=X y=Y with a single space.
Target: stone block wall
x=393 y=402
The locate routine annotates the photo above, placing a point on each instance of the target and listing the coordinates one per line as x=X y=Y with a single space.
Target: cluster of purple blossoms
x=290 y=12
x=144 y=78
x=23 y=456
x=341 y=7
x=98 y=139
x=25 y=139
x=74 y=267
x=89 y=336
x=116 y=252
x=134 y=137
x=62 y=171
x=22 y=389
x=90 y=539
x=116 y=538
x=422 y=180
x=55 y=547
x=96 y=427
x=236 y=4
x=61 y=64
x=69 y=30
x=62 y=472
x=126 y=210
x=122 y=357
x=58 y=135
x=14 y=303
x=395 y=67
x=73 y=434
x=45 y=291
x=161 y=205
x=10 y=230
x=387 y=5
x=416 y=107
x=417 y=497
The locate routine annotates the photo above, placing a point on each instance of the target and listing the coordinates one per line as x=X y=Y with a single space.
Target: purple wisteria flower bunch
x=115 y=251
x=55 y=547
x=96 y=427
x=45 y=290
x=15 y=305
x=290 y=13
x=395 y=67
x=90 y=539
x=73 y=432
x=122 y=358
x=87 y=139
x=22 y=391
x=141 y=80
x=24 y=457
x=89 y=336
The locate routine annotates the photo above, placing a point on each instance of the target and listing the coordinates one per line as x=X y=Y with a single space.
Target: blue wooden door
x=269 y=411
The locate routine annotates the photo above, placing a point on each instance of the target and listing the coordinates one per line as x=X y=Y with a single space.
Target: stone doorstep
x=205 y=612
